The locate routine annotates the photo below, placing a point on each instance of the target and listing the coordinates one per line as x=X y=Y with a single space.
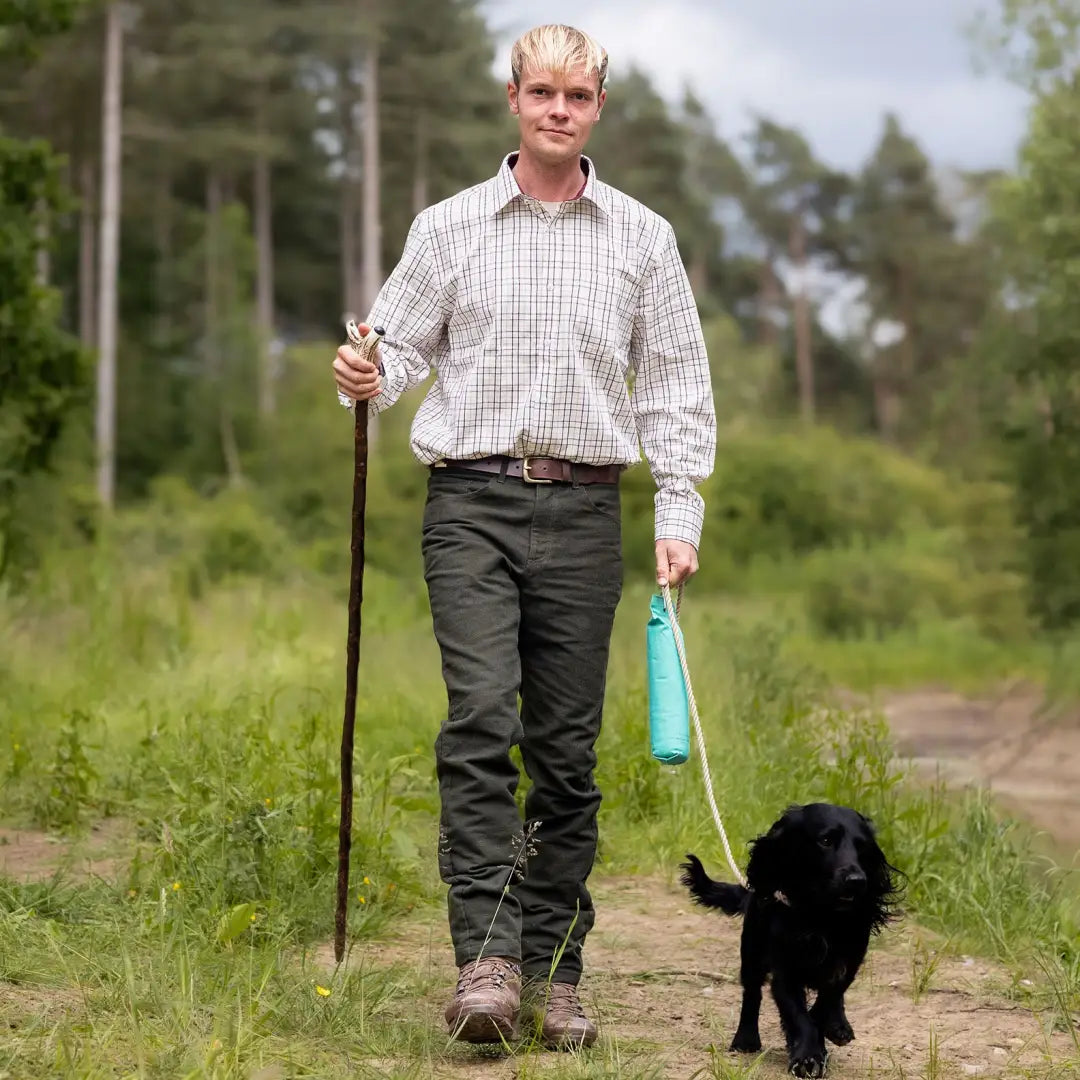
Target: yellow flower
x=322 y=991
x=131 y=892
x=367 y=880
x=253 y=917
x=268 y=800
x=176 y=886
x=361 y=899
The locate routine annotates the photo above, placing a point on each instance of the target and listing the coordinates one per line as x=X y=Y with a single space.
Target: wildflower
x=367 y=880
x=268 y=801
x=253 y=916
x=176 y=886
x=131 y=893
x=362 y=899
x=322 y=991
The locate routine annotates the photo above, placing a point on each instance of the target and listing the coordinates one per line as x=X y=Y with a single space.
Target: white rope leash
x=673 y=615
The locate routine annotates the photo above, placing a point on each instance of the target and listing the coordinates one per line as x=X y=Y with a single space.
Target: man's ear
x=512 y=96
x=600 y=103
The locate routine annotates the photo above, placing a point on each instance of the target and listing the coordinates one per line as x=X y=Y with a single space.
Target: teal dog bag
x=669 y=706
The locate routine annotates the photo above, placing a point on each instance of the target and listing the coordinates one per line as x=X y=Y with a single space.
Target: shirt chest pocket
x=603 y=303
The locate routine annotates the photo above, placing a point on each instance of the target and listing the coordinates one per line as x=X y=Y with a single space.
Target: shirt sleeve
x=672 y=395
x=412 y=310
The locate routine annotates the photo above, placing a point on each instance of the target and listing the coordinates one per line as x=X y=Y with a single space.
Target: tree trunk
x=163 y=250
x=43 y=261
x=105 y=414
x=350 y=260
x=907 y=345
x=698 y=272
x=420 y=196
x=887 y=399
x=264 y=242
x=350 y=290
x=804 y=344
x=371 y=224
x=217 y=261
x=86 y=252
x=211 y=288
x=768 y=303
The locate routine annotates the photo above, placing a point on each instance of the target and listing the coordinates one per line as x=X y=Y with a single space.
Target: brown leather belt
x=539 y=470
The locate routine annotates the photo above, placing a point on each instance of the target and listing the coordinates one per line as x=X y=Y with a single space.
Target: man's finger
x=349 y=357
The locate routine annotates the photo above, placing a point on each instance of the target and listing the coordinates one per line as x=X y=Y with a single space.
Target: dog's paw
x=810 y=1063
x=746 y=1042
x=838 y=1031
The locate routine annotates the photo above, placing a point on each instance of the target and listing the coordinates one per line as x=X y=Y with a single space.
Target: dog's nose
x=854 y=878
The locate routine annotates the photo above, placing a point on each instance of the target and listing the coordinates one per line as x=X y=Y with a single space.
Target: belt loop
x=504 y=464
x=573 y=474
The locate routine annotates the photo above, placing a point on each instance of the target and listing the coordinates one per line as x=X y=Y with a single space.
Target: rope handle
x=673 y=615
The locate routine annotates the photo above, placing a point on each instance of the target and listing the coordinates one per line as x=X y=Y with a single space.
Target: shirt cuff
x=680 y=515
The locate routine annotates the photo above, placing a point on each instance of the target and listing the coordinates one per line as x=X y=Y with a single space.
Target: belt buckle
x=526 y=476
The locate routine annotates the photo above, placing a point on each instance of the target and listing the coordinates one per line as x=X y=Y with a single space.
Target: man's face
x=556 y=112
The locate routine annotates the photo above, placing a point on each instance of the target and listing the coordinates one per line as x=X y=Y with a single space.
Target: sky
x=832 y=68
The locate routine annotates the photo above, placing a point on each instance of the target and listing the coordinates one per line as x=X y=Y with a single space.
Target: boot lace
x=489 y=974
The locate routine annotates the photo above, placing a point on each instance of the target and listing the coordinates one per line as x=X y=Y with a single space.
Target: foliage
x=42 y=371
x=1038 y=228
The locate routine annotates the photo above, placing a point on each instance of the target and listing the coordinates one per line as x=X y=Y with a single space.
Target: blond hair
x=558 y=49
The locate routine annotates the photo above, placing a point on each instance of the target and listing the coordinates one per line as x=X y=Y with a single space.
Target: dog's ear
x=765 y=871
x=884 y=882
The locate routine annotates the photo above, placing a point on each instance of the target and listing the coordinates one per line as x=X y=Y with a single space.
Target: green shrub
x=878 y=590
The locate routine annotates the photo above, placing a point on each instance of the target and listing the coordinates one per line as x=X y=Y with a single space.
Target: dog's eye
x=825 y=841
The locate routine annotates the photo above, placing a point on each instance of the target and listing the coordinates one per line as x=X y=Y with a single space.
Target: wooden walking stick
x=363 y=347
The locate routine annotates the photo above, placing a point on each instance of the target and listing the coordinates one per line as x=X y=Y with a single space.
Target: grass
x=210 y=725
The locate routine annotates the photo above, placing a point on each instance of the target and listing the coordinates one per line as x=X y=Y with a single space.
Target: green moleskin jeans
x=523 y=581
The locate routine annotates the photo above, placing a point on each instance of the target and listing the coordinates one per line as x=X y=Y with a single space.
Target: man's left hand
x=676 y=562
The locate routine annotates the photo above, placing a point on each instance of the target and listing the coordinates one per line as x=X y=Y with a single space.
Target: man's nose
x=559 y=106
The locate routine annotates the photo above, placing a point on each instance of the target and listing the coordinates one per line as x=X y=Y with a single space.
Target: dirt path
x=661 y=973
x=1028 y=755
x=661 y=981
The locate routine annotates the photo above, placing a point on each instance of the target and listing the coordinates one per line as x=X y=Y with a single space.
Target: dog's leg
x=829 y=1016
x=806 y=1047
x=752 y=972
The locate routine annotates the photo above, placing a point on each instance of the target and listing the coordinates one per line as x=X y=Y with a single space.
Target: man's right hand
x=358 y=379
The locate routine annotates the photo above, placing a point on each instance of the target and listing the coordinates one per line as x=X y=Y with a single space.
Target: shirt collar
x=506 y=187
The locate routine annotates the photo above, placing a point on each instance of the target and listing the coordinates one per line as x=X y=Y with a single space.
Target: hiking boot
x=486 y=1002
x=559 y=1018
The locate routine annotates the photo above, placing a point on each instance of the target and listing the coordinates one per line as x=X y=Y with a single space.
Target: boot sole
x=481 y=1027
x=568 y=1042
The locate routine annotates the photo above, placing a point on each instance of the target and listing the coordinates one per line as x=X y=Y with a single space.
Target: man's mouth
x=555 y=131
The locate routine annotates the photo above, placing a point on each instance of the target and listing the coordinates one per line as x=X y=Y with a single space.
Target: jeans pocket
x=604 y=499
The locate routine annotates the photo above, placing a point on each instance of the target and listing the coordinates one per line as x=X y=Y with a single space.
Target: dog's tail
x=731 y=899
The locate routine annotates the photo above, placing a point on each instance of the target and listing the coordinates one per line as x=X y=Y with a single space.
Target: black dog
x=819 y=887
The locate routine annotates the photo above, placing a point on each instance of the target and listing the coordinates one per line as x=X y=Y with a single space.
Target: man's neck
x=558 y=183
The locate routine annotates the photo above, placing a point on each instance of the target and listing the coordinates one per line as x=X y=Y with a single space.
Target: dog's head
x=826 y=857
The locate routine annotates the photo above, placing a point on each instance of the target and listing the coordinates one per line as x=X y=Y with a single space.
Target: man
x=536 y=297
